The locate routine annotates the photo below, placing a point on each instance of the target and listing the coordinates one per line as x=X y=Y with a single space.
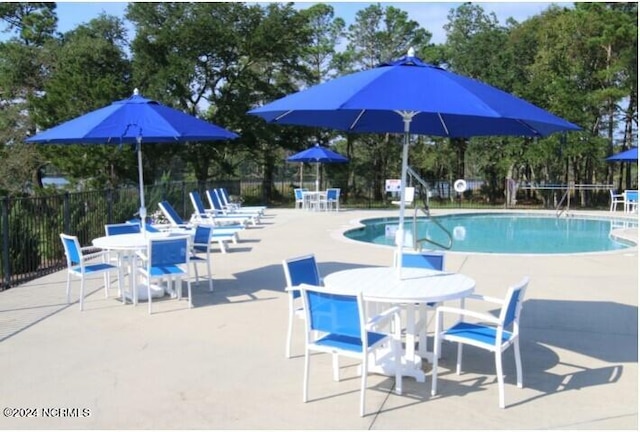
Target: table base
x=382 y=363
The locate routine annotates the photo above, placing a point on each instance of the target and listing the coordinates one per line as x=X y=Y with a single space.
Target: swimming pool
x=503 y=233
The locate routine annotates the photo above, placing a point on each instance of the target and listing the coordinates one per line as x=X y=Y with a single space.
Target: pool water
x=502 y=233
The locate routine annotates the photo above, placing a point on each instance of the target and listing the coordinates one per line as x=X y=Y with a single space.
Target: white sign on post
x=392 y=185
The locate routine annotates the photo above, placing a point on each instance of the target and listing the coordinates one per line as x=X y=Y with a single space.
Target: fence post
x=5 y=242
x=109 y=199
x=66 y=215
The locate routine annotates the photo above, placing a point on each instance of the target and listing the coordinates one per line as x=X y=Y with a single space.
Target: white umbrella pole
x=317 y=177
x=406 y=117
x=143 y=209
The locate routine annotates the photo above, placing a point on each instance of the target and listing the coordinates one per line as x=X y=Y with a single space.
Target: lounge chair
x=203 y=215
x=219 y=211
x=221 y=234
x=234 y=206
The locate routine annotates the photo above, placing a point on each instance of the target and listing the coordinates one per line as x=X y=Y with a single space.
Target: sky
x=430 y=15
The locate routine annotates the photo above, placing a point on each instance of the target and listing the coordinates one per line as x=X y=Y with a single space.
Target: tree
x=379 y=35
x=89 y=69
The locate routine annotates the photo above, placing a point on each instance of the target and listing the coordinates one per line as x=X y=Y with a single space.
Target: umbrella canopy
x=411 y=97
x=318 y=155
x=625 y=156
x=133 y=120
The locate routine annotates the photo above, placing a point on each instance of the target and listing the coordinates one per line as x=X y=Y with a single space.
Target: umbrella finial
x=411 y=52
x=136 y=92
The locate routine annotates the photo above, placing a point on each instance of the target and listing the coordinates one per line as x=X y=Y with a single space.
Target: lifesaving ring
x=460 y=186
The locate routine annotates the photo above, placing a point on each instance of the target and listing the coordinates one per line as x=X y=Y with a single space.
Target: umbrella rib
x=444 y=125
x=283 y=115
x=355 y=122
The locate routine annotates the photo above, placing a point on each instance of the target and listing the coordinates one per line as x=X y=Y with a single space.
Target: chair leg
x=210 y=275
x=189 y=293
x=149 y=293
x=289 y=331
x=68 y=287
x=305 y=381
x=363 y=382
x=516 y=351
x=500 y=378
x=335 y=361
x=82 y=293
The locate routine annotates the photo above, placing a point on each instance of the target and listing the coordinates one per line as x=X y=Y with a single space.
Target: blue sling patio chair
x=202 y=244
x=298 y=270
x=236 y=206
x=488 y=332
x=81 y=264
x=167 y=258
x=220 y=211
x=336 y=324
x=213 y=216
x=434 y=260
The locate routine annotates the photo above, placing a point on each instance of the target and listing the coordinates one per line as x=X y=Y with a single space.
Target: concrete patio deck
x=221 y=365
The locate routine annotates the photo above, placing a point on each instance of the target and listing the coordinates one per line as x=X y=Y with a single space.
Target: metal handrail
x=417 y=243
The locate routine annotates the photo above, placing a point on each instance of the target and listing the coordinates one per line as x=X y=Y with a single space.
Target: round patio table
x=407 y=287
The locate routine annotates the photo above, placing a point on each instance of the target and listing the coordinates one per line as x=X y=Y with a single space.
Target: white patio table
x=312 y=199
x=410 y=287
x=128 y=245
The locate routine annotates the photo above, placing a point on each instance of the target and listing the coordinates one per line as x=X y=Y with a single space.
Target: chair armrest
x=485 y=298
x=468 y=313
x=97 y=252
x=384 y=317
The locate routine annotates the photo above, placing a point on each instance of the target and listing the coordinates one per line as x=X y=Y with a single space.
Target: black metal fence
x=30 y=227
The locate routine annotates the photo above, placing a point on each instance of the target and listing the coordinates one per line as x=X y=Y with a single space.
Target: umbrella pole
x=143 y=209
x=407 y=116
x=317 y=177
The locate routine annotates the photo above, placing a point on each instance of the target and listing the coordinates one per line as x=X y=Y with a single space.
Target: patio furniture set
x=149 y=253
x=317 y=200
x=628 y=199
x=358 y=313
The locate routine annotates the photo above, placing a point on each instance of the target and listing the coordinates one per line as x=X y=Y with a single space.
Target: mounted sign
x=392 y=185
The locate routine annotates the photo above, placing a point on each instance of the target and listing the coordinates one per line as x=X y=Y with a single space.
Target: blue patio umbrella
x=318 y=155
x=133 y=120
x=411 y=97
x=625 y=156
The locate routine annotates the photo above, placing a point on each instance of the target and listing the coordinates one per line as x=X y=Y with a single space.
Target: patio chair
x=220 y=213
x=168 y=259
x=433 y=260
x=491 y=333
x=615 y=200
x=177 y=222
x=236 y=206
x=213 y=216
x=78 y=265
x=202 y=243
x=232 y=209
x=332 y=199
x=409 y=194
x=299 y=196
x=630 y=201
x=336 y=324
x=298 y=270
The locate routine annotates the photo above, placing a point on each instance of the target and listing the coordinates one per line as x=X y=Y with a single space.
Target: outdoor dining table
x=127 y=245
x=408 y=287
x=312 y=199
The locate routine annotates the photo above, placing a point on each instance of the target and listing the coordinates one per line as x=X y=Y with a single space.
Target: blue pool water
x=503 y=233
